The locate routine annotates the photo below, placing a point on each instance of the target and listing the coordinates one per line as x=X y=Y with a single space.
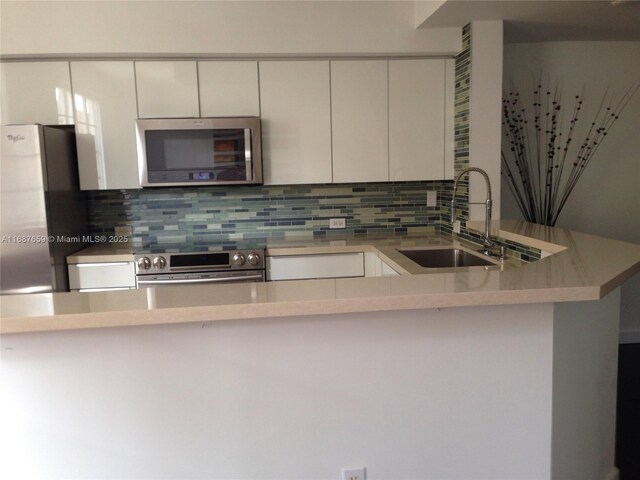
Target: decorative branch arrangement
x=542 y=163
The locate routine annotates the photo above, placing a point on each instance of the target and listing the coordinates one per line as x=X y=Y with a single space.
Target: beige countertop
x=103 y=252
x=580 y=267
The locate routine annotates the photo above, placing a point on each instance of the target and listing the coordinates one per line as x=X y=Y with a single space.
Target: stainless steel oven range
x=235 y=266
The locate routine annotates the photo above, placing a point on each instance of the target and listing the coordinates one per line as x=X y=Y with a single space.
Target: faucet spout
x=488 y=243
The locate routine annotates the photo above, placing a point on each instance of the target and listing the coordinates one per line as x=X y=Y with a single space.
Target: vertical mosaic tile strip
x=461 y=133
x=461 y=114
x=209 y=214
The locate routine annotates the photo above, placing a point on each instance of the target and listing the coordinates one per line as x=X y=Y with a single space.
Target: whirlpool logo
x=15 y=138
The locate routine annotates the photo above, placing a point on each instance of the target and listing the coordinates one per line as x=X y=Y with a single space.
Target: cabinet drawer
x=102 y=275
x=299 y=267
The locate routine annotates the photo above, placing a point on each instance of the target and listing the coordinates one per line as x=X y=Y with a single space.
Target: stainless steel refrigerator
x=43 y=212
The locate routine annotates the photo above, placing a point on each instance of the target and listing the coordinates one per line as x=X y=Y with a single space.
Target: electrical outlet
x=337 y=223
x=432 y=198
x=354 y=473
x=123 y=231
x=456 y=226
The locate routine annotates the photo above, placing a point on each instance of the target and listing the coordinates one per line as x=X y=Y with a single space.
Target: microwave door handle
x=247 y=154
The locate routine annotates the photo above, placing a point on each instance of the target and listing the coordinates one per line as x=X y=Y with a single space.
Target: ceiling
x=545 y=21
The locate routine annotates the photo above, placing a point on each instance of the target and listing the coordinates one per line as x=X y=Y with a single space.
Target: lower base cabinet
x=387 y=271
x=102 y=276
x=304 y=267
x=375 y=267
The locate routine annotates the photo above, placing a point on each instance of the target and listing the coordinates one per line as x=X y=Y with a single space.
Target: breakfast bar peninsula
x=507 y=371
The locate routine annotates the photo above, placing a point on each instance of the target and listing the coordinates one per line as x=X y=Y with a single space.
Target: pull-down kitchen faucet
x=488 y=243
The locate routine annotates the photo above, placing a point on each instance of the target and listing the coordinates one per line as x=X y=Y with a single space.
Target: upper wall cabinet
x=167 y=89
x=229 y=89
x=296 y=122
x=416 y=119
x=105 y=114
x=359 y=121
x=36 y=92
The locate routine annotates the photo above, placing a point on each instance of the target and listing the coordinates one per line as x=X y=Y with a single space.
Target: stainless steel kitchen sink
x=445 y=257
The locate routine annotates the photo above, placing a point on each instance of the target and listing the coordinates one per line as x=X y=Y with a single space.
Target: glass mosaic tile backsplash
x=207 y=214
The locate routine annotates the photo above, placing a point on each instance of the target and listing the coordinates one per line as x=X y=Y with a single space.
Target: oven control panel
x=155 y=263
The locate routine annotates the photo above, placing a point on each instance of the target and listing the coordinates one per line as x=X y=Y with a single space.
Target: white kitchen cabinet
x=372 y=265
x=302 y=267
x=167 y=89
x=359 y=113
x=295 y=99
x=229 y=89
x=375 y=267
x=387 y=271
x=417 y=119
x=36 y=92
x=105 y=115
x=102 y=276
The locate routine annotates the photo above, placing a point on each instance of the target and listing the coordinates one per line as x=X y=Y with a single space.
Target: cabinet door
x=372 y=265
x=228 y=89
x=36 y=92
x=105 y=111
x=296 y=122
x=167 y=89
x=359 y=112
x=387 y=271
x=304 y=267
x=108 y=275
x=416 y=119
x=375 y=267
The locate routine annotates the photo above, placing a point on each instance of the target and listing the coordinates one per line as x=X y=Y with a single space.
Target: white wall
x=424 y=9
x=585 y=369
x=630 y=311
x=218 y=28
x=606 y=202
x=455 y=393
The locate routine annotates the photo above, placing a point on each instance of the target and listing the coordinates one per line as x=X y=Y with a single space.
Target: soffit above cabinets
x=540 y=21
x=217 y=29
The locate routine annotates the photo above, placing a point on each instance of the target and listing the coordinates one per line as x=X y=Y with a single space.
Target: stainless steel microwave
x=199 y=151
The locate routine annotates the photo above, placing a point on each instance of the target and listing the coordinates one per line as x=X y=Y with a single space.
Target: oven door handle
x=199 y=280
